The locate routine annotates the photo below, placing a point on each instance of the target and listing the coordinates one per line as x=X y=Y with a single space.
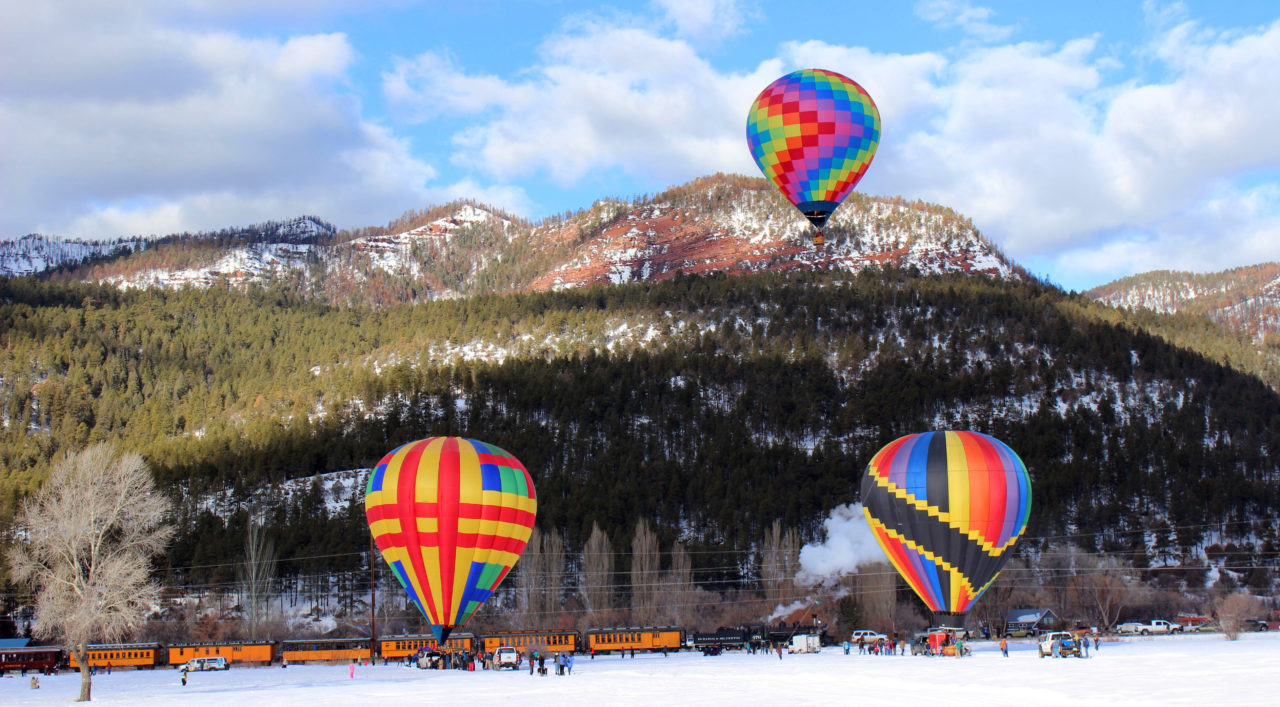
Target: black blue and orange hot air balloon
x=813 y=133
x=451 y=517
x=947 y=507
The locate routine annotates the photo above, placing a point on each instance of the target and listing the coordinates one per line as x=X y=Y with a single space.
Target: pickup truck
x=506 y=657
x=1067 y=644
x=1157 y=626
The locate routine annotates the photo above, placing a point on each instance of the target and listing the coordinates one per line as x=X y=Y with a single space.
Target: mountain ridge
x=721 y=223
x=1244 y=299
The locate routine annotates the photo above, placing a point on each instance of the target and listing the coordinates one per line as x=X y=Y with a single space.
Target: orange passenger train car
x=120 y=655
x=325 y=650
x=258 y=652
x=552 y=641
x=640 y=638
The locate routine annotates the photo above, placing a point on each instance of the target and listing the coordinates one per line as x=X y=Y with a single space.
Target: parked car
x=215 y=662
x=1254 y=625
x=1067 y=644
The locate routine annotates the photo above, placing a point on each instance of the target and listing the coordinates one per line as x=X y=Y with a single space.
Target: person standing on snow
x=1004 y=646
x=569 y=663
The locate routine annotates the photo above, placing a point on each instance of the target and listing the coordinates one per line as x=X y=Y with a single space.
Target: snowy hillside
x=715 y=224
x=1246 y=299
x=35 y=254
x=749 y=234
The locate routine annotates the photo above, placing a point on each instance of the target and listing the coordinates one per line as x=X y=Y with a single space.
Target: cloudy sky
x=1088 y=139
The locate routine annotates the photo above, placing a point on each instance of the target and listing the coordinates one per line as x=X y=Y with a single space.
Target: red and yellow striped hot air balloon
x=451 y=517
x=946 y=507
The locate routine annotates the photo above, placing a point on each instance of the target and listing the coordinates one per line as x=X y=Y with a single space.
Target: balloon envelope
x=451 y=517
x=813 y=133
x=946 y=507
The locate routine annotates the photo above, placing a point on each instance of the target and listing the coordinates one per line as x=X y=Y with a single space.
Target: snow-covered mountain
x=751 y=230
x=714 y=224
x=1246 y=299
x=35 y=254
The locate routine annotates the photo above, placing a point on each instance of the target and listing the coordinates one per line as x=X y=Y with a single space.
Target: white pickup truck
x=1157 y=626
x=506 y=657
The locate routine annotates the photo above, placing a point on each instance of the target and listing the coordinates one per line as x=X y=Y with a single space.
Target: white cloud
x=703 y=20
x=604 y=98
x=130 y=125
x=1230 y=228
x=973 y=21
x=432 y=84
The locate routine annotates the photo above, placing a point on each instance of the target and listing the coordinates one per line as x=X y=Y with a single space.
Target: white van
x=215 y=662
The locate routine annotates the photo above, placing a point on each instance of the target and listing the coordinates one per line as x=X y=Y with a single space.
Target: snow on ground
x=1190 y=670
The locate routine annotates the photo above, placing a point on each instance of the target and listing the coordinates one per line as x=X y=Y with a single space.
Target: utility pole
x=373 y=603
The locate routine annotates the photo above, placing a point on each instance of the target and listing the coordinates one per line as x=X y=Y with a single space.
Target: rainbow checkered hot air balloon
x=813 y=133
x=451 y=517
x=946 y=508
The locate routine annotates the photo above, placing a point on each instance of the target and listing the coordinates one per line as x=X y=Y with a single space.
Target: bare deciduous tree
x=678 y=594
x=1105 y=589
x=779 y=563
x=540 y=579
x=1234 y=610
x=644 y=574
x=878 y=595
x=256 y=574
x=90 y=534
x=530 y=573
x=553 y=577
x=597 y=572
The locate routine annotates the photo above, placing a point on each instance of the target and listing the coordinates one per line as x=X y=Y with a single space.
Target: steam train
x=395 y=647
x=342 y=650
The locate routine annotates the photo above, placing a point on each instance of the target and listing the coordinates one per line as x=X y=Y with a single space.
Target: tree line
x=760 y=401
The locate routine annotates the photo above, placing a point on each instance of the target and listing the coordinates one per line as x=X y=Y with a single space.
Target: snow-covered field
x=1192 y=670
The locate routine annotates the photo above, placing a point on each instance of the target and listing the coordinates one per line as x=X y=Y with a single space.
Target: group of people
x=562 y=661
x=881 y=646
x=451 y=660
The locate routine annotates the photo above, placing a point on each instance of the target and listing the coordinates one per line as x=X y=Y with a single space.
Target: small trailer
x=805 y=643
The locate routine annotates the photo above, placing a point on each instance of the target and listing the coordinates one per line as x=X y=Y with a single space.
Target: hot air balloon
x=813 y=133
x=946 y=508
x=451 y=517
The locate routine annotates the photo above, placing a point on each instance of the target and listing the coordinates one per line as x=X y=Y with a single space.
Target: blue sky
x=1089 y=140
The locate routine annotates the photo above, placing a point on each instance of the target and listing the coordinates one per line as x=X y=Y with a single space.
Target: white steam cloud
x=849 y=545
